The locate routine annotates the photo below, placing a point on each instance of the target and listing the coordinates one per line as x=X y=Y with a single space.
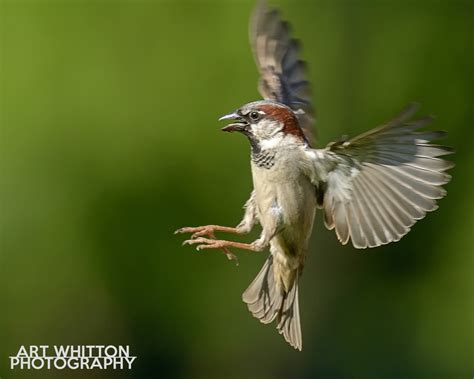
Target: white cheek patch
x=271 y=142
x=266 y=129
x=277 y=140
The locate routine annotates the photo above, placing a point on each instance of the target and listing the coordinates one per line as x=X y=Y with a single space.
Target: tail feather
x=289 y=321
x=260 y=295
x=268 y=301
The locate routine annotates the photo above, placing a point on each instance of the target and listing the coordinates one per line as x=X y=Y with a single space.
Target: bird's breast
x=284 y=189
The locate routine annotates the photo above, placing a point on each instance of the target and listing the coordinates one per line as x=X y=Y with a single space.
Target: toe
x=187 y=229
x=199 y=233
x=189 y=242
x=181 y=230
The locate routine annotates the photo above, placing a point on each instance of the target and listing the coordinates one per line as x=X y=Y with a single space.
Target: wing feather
x=378 y=184
x=366 y=226
x=389 y=226
x=355 y=230
x=283 y=75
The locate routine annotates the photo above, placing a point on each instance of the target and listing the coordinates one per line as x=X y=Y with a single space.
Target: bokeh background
x=109 y=142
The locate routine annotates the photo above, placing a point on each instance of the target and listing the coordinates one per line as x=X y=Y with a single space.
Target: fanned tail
x=267 y=300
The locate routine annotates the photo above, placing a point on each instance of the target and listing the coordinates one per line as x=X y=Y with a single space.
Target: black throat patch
x=264 y=158
x=253 y=142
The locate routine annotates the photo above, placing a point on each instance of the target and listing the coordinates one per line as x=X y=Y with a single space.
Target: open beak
x=239 y=125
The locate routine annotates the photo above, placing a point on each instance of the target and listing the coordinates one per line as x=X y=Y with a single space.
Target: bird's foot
x=206 y=243
x=206 y=230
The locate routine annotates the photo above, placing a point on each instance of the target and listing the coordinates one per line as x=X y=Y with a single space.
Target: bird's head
x=266 y=124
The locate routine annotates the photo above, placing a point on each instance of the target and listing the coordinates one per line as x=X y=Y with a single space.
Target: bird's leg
x=208 y=230
x=206 y=243
x=212 y=243
x=245 y=226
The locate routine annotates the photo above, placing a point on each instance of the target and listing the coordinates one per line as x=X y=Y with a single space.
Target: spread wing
x=375 y=186
x=283 y=73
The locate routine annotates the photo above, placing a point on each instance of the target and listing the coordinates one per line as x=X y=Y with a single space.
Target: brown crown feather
x=287 y=117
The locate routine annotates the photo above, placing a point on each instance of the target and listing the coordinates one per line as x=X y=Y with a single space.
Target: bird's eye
x=254 y=115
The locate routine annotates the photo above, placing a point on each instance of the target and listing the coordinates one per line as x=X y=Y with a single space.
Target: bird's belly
x=290 y=196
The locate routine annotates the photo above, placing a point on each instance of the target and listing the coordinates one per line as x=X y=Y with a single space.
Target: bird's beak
x=239 y=126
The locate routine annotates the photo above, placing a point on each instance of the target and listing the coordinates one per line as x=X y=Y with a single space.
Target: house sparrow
x=371 y=188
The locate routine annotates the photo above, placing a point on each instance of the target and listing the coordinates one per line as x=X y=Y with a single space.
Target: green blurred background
x=109 y=142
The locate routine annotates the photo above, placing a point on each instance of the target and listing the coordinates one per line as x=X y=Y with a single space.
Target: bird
x=370 y=188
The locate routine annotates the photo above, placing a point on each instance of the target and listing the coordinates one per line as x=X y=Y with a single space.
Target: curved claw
x=197 y=240
x=208 y=246
x=187 y=229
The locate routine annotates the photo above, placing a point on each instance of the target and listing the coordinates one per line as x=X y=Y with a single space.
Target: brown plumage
x=286 y=117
